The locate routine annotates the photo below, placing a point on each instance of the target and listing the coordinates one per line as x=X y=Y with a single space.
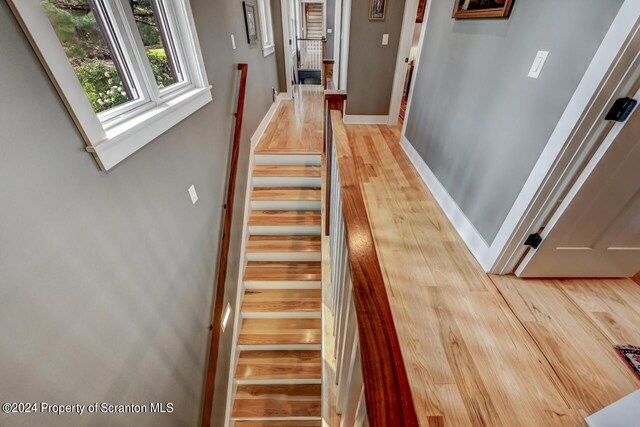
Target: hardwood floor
x=297 y=125
x=480 y=349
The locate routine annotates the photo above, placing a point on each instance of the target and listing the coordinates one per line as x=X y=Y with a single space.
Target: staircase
x=277 y=375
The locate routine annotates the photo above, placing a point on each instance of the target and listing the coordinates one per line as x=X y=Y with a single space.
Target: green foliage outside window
x=76 y=27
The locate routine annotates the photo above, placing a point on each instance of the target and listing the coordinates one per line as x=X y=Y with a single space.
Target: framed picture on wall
x=250 y=21
x=469 y=9
x=377 y=9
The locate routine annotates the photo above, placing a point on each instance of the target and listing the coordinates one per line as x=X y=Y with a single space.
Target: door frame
x=580 y=130
x=285 y=10
x=404 y=49
x=609 y=137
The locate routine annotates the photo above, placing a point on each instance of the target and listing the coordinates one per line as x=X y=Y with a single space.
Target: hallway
x=478 y=349
x=482 y=349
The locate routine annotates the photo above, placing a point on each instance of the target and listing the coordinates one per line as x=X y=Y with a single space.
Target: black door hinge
x=621 y=109
x=533 y=240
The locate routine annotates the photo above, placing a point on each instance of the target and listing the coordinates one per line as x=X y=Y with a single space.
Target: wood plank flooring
x=279 y=365
x=480 y=349
x=297 y=124
x=277 y=400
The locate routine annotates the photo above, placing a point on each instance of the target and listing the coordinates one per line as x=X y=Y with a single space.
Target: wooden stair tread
x=280 y=331
x=294 y=171
x=281 y=300
x=278 y=423
x=258 y=243
x=278 y=151
x=279 y=365
x=285 y=193
x=282 y=271
x=277 y=400
x=284 y=218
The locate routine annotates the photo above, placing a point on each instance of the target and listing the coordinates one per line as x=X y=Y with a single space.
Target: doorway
x=413 y=24
x=595 y=232
x=310 y=42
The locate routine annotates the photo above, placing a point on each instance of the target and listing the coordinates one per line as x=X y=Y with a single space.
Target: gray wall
x=106 y=279
x=372 y=65
x=476 y=118
x=276 y=13
x=331 y=24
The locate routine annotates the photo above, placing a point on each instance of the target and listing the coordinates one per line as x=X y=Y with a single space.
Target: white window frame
x=113 y=135
x=266 y=27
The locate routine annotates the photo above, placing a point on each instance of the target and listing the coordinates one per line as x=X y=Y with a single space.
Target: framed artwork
x=377 y=9
x=469 y=9
x=250 y=21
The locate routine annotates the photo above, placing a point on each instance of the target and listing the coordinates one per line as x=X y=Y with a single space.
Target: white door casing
x=595 y=232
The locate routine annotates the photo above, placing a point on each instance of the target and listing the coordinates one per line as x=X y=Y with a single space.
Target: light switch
x=193 y=194
x=385 y=39
x=233 y=42
x=538 y=63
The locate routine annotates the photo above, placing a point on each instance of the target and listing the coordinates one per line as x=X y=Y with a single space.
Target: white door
x=596 y=230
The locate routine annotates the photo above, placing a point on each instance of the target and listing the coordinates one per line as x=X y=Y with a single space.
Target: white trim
x=264 y=123
x=423 y=31
x=268 y=50
x=283 y=96
x=127 y=138
x=285 y=10
x=462 y=224
x=337 y=35
x=356 y=119
x=266 y=27
x=609 y=140
x=404 y=49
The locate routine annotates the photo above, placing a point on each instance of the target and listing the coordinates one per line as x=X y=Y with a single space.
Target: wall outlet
x=274 y=93
x=329 y=31
x=233 y=42
x=385 y=39
x=193 y=194
x=538 y=63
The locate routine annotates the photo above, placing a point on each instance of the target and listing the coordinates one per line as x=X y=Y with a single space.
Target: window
x=266 y=27
x=128 y=70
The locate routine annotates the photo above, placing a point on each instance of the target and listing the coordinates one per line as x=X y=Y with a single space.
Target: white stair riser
x=288 y=159
x=282 y=315
x=288 y=381
x=285 y=181
x=285 y=205
x=270 y=347
x=285 y=230
x=284 y=256
x=282 y=285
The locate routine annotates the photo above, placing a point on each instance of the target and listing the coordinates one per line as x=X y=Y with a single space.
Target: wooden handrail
x=386 y=385
x=215 y=327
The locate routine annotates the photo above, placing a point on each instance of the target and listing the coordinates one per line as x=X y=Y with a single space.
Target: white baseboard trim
x=283 y=96
x=262 y=127
x=462 y=224
x=354 y=119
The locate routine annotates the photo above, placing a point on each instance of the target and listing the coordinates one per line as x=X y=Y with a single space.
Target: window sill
x=129 y=136
x=268 y=50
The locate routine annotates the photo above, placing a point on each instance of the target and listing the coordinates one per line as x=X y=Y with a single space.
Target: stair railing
x=215 y=328
x=373 y=388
